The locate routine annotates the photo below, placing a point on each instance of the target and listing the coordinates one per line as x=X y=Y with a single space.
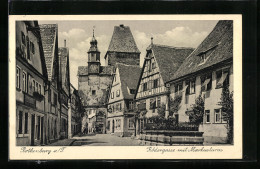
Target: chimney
x=122 y=25
x=64 y=42
x=152 y=40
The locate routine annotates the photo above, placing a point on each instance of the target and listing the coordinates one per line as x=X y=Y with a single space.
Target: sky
x=169 y=32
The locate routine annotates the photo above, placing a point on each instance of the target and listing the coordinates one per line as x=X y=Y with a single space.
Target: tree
x=226 y=101
x=196 y=116
x=175 y=104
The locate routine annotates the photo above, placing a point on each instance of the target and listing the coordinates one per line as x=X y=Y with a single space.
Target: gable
x=49 y=43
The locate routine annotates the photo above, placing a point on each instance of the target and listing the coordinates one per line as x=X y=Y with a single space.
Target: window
x=222 y=78
x=206 y=82
x=33 y=85
x=178 y=89
x=113 y=108
x=192 y=86
x=40 y=89
x=36 y=86
x=207 y=114
x=118 y=126
x=117 y=93
x=24 y=82
x=152 y=103
x=32 y=47
x=217 y=116
x=23 y=38
x=93 y=92
x=108 y=125
x=117 y=107
x=131 y=123
x=55 y=99
x=18 y=70
x=155 y=83
x=153 y=65
x=145 y=86
x=26 y=123
x=187 y=87
x=120 y=106
x=158 y=101
x=132 y=91
x=131 y=105
x=112 y=95
x=20 y=130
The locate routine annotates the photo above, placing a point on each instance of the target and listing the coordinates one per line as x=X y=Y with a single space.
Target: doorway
x=41 y=130
x=32 y=129
x=113 y=126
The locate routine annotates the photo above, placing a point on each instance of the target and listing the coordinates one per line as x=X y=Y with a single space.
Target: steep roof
x=129 y=76
x=122 y=40
x=49 y=39
x=64 y=68
x=104 y=70
x=169 y=58
x=219 y=41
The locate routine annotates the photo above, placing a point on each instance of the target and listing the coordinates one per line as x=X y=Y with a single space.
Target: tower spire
x=93 y=31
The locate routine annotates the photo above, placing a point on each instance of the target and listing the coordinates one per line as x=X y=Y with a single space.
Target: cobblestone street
x=104 y=140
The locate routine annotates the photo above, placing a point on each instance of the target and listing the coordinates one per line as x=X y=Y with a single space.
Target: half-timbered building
x=160 y=62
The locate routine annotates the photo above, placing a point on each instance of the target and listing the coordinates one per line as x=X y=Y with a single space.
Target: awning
x=222 y=79
x=204 y=85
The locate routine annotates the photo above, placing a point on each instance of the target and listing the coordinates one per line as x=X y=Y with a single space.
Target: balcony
x=29 y=100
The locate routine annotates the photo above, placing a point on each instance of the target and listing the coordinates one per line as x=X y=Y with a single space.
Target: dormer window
x=132 y=91
x=204 y=55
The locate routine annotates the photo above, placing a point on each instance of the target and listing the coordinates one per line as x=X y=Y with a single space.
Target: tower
x=93 y=57
x=122 y=48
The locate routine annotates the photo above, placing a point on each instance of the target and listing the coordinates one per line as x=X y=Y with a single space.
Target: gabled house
x=160 y=62
x=64 y=95
x=204 y=73
x=121 y=115
x=122 y=47
x=31 y=82
x=49 y=36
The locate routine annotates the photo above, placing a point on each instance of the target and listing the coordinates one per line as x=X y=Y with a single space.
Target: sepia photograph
x=165 y=84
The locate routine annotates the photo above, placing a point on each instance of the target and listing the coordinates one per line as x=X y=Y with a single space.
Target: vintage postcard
x=125 y=87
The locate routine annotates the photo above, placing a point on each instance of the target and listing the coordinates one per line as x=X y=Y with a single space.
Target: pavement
x=104 y=140
x=64 y=142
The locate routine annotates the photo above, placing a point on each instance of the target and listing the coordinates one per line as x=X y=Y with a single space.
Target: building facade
x=76 y=111
x=121 y=115
x=152 y=93
x=49 y=36
x=204 y=73
x=31 y=80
